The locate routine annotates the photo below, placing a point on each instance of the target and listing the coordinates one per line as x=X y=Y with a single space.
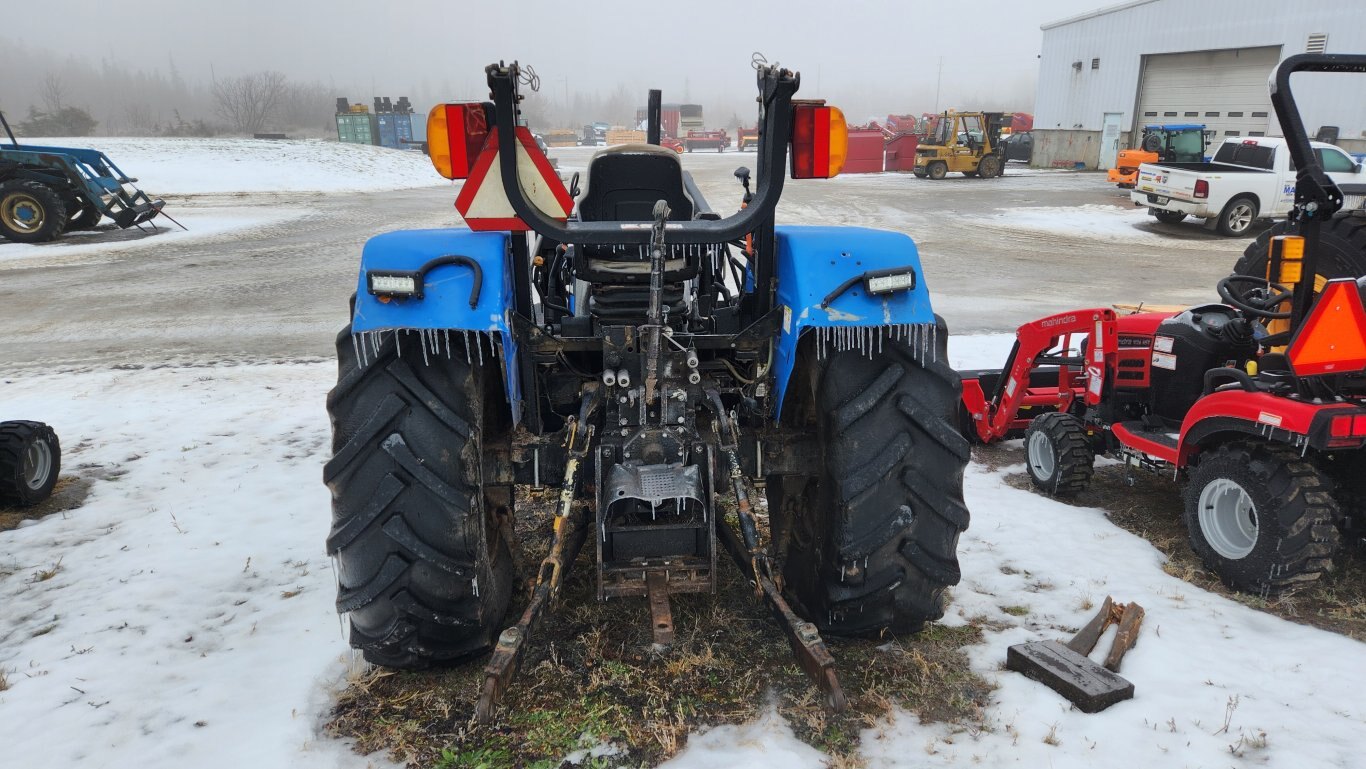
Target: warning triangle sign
x=1333 y=337
x=485 y=205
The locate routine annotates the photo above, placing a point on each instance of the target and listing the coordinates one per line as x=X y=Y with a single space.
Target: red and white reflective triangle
x=485 y=205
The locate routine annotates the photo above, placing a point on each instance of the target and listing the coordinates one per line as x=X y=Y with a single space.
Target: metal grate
x=1318 y=43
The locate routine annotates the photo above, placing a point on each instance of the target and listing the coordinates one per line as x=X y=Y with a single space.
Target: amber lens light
x=455 y=135
x=1291 y=248
x=820 y=141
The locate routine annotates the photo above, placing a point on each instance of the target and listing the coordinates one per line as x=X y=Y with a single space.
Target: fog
x=138 y=68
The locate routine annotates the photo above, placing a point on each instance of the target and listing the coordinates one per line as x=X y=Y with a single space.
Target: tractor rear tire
x=870 y=542
x=1058 y=454
x=1237 y=217
x=1261 y=516
x=1342 y=248
x=1170 y=217
x=31 y=212
x=937 y=169
x=30 y=460
x=424 y=573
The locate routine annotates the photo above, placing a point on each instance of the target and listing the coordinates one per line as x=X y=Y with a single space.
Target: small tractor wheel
x=1237 y=217
x=424 y=569
x=937 y=169
x=30 y=460
x=87 y=217
x=1170 y=217
x=989 y=167
x=1058 y=454
x=1261 y=516
x=31 y=212
x=1342 y=248
x=870 y=541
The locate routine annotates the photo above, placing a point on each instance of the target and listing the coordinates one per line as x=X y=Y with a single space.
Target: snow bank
x=197 y=166
x=1102 y=223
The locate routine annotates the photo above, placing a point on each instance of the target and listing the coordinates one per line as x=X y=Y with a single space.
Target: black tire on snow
x=1058 y=455
x=1342 y=248
x=30 y=461
x=86 y=218
x=424 y=573
x=1170 y=217
x=989 y=167
x=51 y=211
x=1292 y=535
x=871 y=542
x=937 y=169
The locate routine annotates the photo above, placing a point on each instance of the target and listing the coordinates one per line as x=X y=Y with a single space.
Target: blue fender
x=445 y=305
x=813 y=261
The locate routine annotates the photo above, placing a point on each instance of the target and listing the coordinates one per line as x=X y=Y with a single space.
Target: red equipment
x=706 y=140
x=746 y=138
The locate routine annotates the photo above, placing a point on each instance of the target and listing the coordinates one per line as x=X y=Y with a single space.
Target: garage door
x=1224 y=90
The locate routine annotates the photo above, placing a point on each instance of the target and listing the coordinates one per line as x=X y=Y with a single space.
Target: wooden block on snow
x=1085 y=684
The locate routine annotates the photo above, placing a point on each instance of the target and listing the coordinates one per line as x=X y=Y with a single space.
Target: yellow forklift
x=962 y=142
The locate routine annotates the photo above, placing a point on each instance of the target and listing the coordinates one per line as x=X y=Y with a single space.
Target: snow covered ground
x=1105 y=223
x=183 y=616
x=197 y=166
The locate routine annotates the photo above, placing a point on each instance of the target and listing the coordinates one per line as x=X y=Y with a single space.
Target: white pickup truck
x=1248 y=179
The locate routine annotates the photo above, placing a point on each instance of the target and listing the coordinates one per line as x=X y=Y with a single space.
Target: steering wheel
x=1258 y=299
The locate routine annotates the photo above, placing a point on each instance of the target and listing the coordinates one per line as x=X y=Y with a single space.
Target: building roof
x=1098 y=12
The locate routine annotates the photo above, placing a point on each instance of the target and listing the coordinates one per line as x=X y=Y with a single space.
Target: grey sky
x=873 y=57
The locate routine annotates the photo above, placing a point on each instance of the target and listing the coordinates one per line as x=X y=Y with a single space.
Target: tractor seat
x=623 y=183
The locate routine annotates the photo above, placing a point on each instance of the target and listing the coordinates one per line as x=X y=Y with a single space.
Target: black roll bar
x=1317 y=198
x=776 y=87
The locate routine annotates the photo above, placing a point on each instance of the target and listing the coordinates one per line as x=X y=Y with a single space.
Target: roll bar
x=776 y=87
x=1317 y=198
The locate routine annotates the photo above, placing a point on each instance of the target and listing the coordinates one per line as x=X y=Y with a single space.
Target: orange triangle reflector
x=1333 y=337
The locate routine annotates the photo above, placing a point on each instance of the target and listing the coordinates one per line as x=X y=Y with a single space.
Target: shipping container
x=357 y=128
x=865 y=152
x=387 y=133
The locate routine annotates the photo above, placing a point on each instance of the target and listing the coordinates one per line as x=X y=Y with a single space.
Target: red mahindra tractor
x=1258 y=403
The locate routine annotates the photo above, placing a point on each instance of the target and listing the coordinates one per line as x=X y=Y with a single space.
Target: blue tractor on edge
x=628 y=346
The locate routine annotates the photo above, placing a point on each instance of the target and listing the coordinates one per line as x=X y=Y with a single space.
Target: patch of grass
x=4 y=680
x=1015 y=611
x=43 y=575
x=68 y=494
x=590 y=677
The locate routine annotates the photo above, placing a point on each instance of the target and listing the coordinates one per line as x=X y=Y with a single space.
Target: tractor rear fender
x=815 y=263
x=1234 y=412
x=448 y=291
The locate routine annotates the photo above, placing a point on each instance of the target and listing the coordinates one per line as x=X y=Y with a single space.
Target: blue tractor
x=653 y=362
x=45 y=191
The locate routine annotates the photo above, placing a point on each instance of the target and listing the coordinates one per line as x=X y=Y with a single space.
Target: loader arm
x=995 y=414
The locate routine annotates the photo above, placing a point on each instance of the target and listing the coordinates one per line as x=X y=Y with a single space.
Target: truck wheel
x=1058 y=455
x=1237 y=217
x=989 y=167
x=937 y=170
x=1342 y=248
x=1261 y=517
x=424 y=574
x=1170 y=217
x=870 y=541
x=31 y=212
x=30 y=460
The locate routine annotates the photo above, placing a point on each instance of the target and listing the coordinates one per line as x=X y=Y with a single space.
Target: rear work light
x=455 y=135
x=1201 y=188
x=820 y=140
x=396 y=285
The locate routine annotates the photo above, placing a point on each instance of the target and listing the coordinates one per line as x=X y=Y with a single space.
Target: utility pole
x=937 y=82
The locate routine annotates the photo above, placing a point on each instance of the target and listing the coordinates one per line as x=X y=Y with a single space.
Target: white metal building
x=1104 y=75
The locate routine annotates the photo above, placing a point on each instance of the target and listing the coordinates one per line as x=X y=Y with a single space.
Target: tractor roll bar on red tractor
x=776 y=87
x=1317 y=198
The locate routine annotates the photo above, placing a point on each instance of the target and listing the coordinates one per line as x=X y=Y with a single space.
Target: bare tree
x=248 y=102
x=54 y=92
